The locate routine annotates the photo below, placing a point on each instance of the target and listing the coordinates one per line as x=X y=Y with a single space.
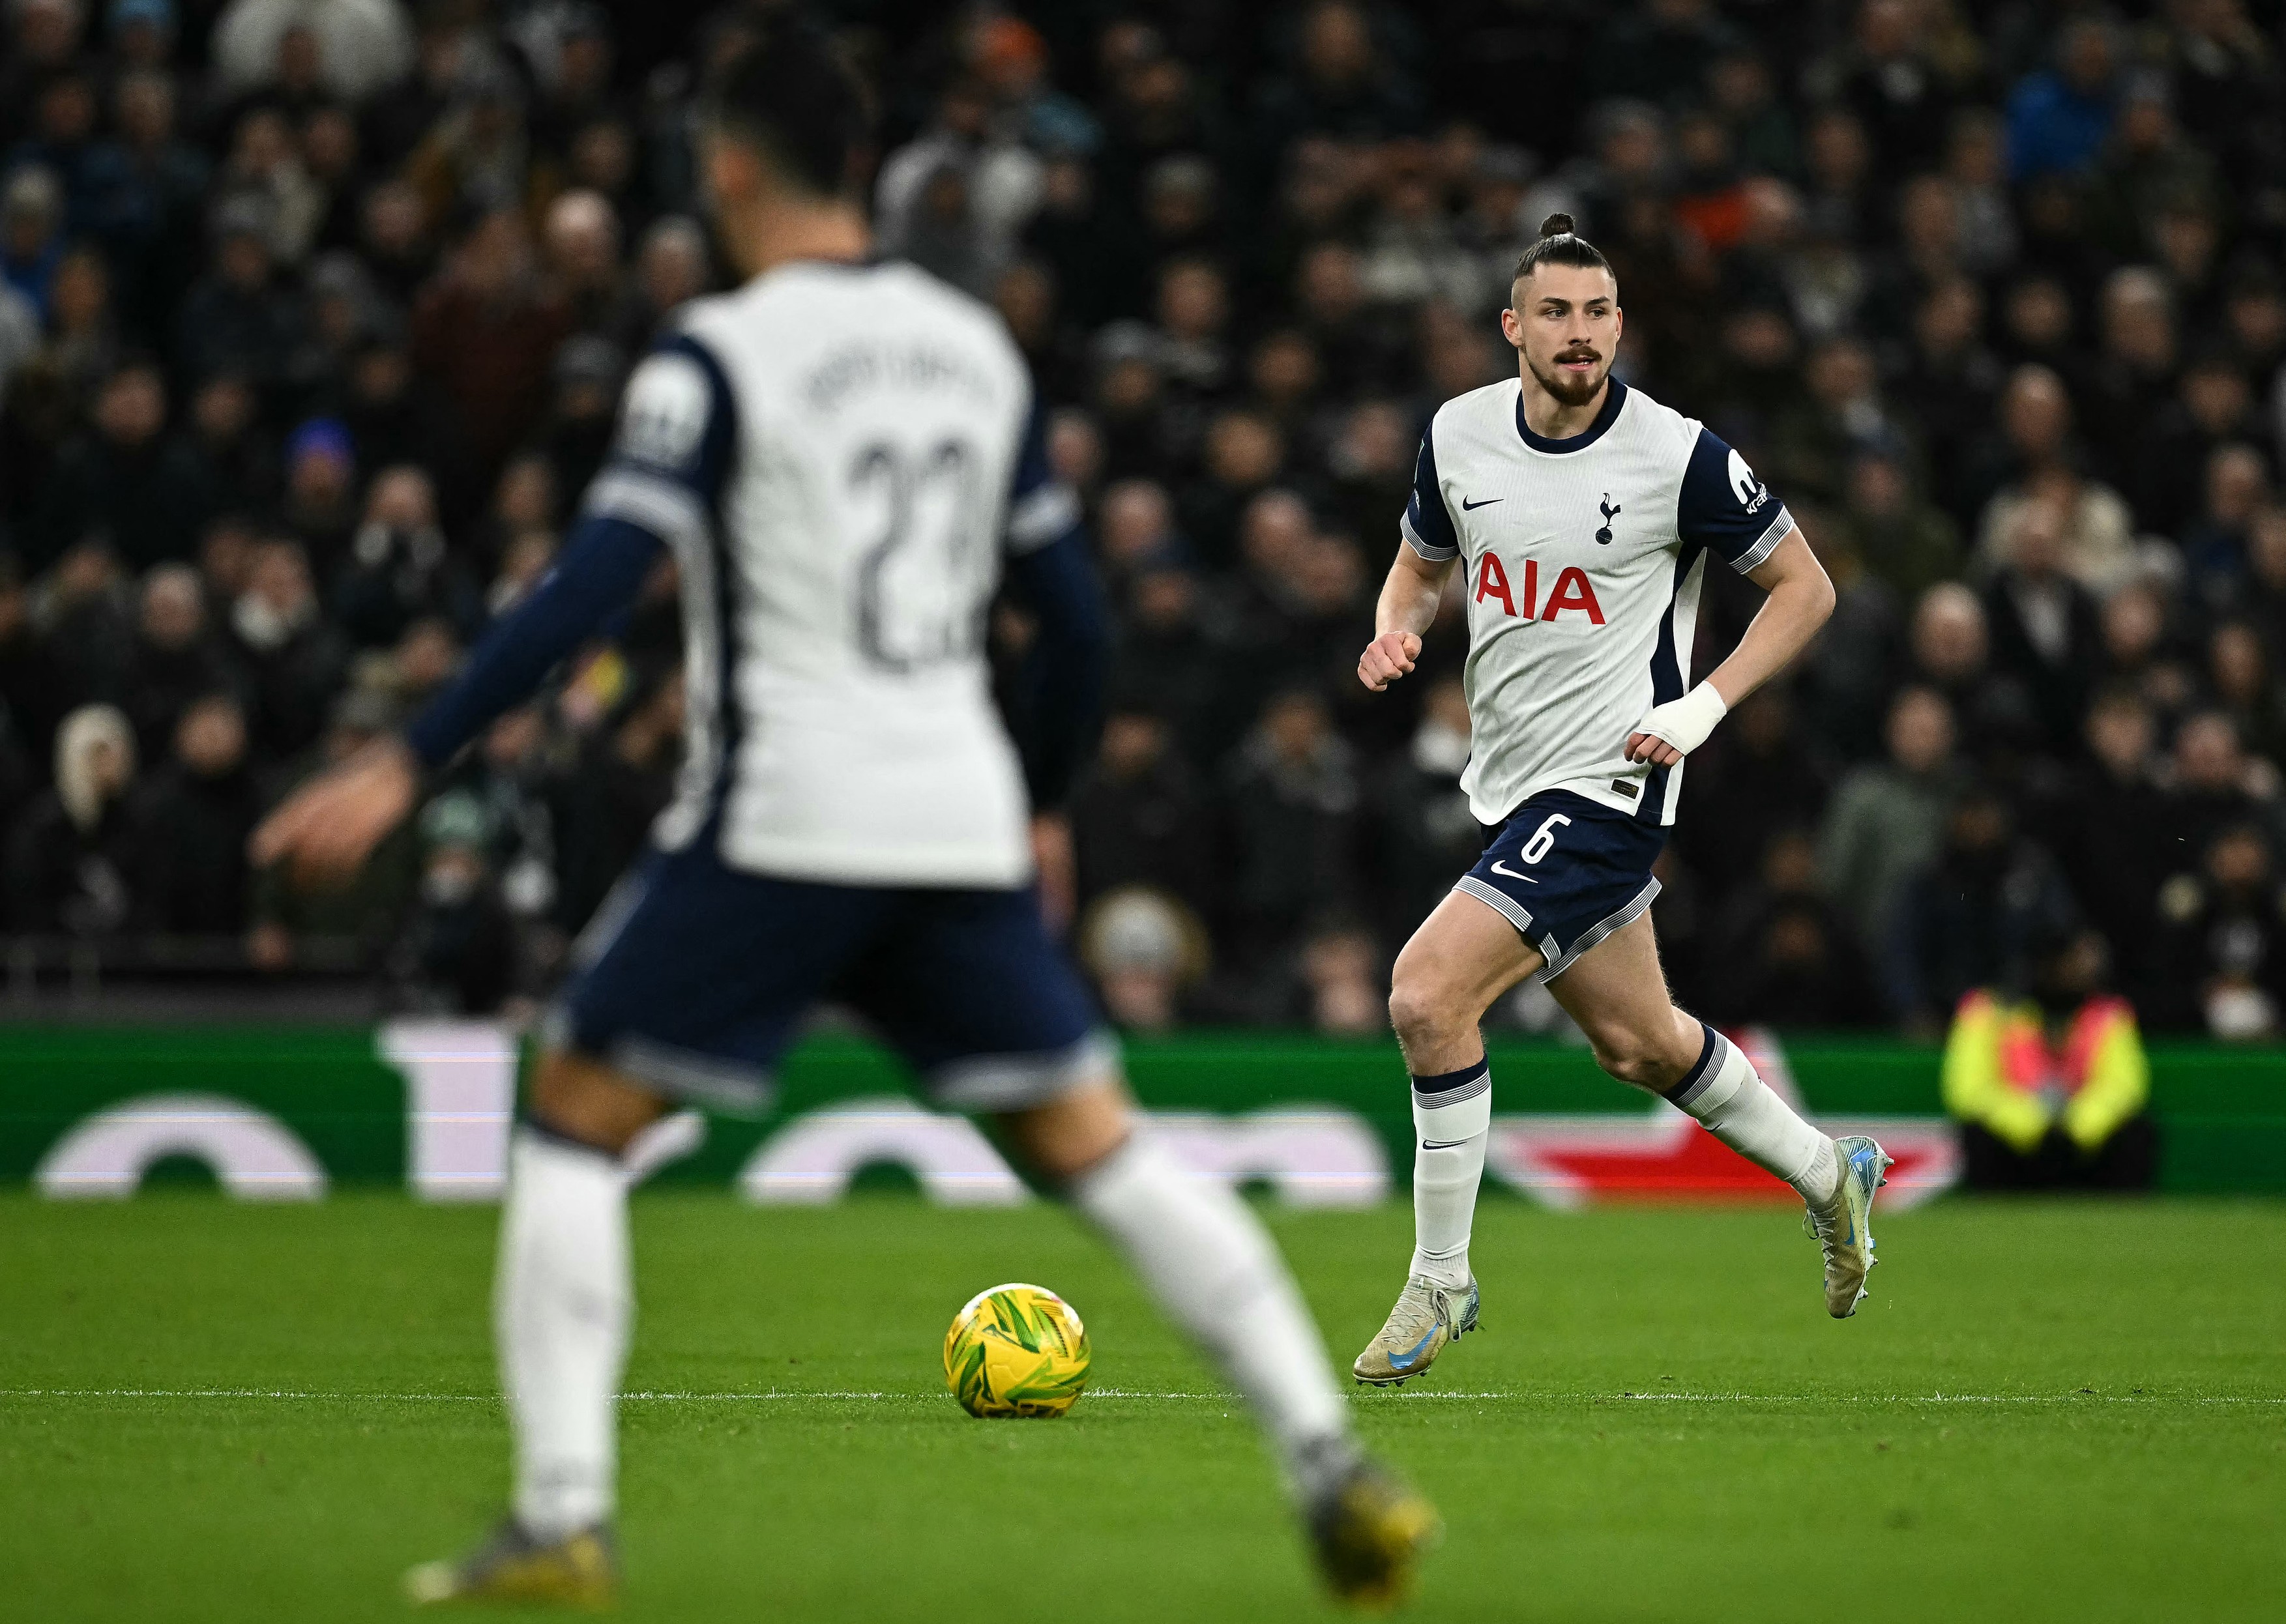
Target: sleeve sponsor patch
x=663 y=418
x=1750 y=490
x=1725 y=508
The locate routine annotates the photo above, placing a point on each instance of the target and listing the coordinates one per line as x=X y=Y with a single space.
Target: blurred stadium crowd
x=312 y=313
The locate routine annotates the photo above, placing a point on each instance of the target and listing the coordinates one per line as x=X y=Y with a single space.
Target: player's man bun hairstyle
x=1560 y=244
x=788 y=90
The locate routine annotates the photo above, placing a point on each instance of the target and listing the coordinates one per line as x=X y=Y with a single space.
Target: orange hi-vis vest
x=1999 y=1071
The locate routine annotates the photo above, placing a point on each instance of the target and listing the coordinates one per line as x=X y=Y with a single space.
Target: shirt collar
x=1613 y=400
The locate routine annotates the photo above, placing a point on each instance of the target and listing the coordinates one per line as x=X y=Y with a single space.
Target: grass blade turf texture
x=2046 y=1411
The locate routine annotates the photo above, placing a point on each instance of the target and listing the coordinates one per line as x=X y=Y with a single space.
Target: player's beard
x=1573 y=390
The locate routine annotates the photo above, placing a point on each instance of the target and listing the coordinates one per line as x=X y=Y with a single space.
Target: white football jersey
x=1584 y=559
x=838 y=455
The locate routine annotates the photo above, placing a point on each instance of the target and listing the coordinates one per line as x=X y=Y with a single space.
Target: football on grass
x=1016 y=1350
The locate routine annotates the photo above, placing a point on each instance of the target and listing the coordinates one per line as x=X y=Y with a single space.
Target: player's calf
x=1648 y=1054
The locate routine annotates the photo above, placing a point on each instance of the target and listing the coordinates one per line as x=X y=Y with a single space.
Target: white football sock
x=1452 y=1122
x=561 y=1306
x=1739 y=1109
x=1215 y=1270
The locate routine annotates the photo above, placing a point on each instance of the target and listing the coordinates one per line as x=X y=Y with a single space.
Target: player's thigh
x=695 y=976
x=969 y=987
x=1616 y=993
x=1463 y=956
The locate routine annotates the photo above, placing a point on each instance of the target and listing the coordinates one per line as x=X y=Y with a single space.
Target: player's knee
x=1422 y=1011
x=1077 y=1130
x=584 y=1099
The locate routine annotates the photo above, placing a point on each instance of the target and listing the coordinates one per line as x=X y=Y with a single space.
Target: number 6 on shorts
x=1543 y=838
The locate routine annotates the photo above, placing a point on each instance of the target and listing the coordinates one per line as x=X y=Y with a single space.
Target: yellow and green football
x=1016 y=1350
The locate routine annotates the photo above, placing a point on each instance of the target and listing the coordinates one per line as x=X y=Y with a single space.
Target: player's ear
x=734 y=168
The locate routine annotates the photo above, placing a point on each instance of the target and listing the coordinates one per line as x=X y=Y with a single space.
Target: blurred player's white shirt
x=1584 y=561
x=838 y=454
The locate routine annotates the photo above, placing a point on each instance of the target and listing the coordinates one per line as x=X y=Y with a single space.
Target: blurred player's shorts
x=695 y=978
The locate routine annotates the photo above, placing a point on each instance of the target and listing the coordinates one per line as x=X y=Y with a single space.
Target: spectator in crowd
x=1767 y=775
x=2050 y=1085
x=400 y=569
x=359 y=46
x=1996 y=717
x=1782 y=953
x=2109 y=828
x=1970 y=917
x=1887 y=818
x=2221 y=953
x=1292 y=807
x=239 y=316
x=31 y=233
x=459 y=947
x=1143 y=950
x=192 y=881
x=1904 y=541
x=1140 y=818
x=332 y=301
x=320 y=505
x=127 y=482
x=2043 y=624
x=295 y=660
x=73 y=855
x=486 y=330
x=2043 y=463
x=175 y=660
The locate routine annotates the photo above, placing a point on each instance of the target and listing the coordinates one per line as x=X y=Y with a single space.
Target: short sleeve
x=1726 y=509
x=670 y=455
x=1042 y=509
x=1427 y=524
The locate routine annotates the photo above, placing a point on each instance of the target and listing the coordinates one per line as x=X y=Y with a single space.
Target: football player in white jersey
x=840 y=457
x=1581 y=514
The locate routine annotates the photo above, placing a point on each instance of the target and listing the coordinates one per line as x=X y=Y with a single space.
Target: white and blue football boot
x=1843 y=1228
x=1427 y=1316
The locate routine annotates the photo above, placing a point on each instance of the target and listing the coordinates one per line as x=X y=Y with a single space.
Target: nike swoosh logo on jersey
x=1502 y=868
x=1468 y=506
x=1441 y=1144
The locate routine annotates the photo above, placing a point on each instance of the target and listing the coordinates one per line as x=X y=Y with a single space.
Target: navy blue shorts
x=1567 y=871
x=695 y=977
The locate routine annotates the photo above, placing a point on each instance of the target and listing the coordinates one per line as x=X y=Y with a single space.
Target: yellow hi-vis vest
x=1999 y=1071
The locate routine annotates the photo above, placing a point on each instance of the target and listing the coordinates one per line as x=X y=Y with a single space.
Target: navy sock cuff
x=1695 y=1081
x=1452 y=1087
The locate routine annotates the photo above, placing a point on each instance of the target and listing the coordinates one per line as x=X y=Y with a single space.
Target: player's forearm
x=1801 y=601
x=1410 y=596
x=1069 y=661
x=602 y=568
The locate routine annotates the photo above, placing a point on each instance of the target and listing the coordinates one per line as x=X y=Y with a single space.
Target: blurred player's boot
x=1843 y=1226
x=580 y=1571
x=1371 y=1527
x=1427 y=1316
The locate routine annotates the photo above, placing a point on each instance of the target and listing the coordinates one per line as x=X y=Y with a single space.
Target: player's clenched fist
x=1388 y=657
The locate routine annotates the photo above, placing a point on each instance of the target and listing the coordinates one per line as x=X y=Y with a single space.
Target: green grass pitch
x=2057 y=1411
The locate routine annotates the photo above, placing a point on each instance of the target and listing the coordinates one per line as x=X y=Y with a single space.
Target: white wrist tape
x=1685 y=722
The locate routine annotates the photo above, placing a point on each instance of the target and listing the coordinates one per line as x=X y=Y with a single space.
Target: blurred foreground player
x=1581 y=512
x=838 y=456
